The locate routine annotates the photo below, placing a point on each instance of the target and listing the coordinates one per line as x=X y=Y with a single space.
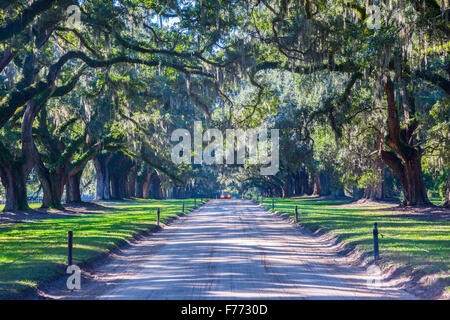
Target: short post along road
x=231 y=249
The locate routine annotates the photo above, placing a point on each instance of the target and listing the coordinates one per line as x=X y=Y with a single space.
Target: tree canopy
x=93 y=89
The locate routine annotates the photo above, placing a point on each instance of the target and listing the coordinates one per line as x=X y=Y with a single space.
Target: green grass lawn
x=423 y=245
x=36 y=252
x=436 y=200
x=32 y=206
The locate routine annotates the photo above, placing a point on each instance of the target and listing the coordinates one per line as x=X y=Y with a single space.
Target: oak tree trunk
x=119 y=188
x=52 y=182
x=73 y=190
x=103 y=190
x=53 y=187
x=305 y=185
x=146 y=185
x=119 y=167
x=404 y=159
x=131 y=181
x=321 y=185
x=447 y=193
x=139 y=189
x=376 y=191
x=13 y=178
x=156 y=192
x=317 y=189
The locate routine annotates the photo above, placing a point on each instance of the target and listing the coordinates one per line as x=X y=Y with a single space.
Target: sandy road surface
x=230 y=249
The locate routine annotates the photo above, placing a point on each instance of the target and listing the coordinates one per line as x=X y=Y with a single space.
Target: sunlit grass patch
x=422 y=244
x=33 y=253
x=31 y=205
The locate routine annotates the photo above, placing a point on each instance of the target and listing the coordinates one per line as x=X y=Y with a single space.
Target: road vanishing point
x=230 y=249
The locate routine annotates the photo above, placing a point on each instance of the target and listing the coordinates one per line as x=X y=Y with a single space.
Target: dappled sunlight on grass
x=420 y=243
x=31 y=205
x=33 y=253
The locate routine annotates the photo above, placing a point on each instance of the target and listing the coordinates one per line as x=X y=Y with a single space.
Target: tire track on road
x=229 y=249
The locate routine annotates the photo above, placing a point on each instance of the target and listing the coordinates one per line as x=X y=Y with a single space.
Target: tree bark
x=324 y=185
x=13 y=178
x=73 y=190
x=321 y=185
x=53 y=187
x=139 y=189
x=290 y=186
x=357 y=193
x=52 y=182
x=14 y=169
x=404 y=159
x=317 y=188
x=115 y=188
x=377 y=191
x=305 y=185
x=156 y=192
x=297 y=184
x=410 y=176
x=146 y=185
x=119 y=188
x=103 y=190
x=131 y=181
x=447 y=193
x=119 y=166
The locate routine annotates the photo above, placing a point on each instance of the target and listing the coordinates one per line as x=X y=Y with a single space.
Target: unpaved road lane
x=230 y=249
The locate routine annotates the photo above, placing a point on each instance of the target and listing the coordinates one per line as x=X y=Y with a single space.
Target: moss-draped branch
x=17 y=98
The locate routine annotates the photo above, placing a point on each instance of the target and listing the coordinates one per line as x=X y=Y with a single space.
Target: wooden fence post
x=375 y=242
x=69 y=247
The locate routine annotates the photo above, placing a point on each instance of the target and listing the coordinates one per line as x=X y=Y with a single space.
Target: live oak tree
x=46 y=52
x=401 y=54
x=149 y=67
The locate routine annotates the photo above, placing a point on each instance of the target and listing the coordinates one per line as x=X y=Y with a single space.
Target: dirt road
x=230 y=249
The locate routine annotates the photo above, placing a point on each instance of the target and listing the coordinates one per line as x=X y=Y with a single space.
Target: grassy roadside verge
x=35 y=252
x=421 y=246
